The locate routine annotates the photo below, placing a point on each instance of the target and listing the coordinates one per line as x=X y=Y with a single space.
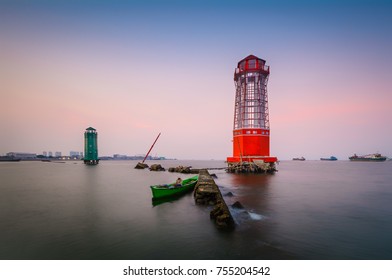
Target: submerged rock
x=237 y=205
x=181 y=169
x=229 y=194
x=140 y=165
x=243 y=214
x=157 y=167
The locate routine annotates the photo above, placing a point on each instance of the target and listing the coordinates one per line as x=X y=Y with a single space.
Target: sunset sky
x=132 y=69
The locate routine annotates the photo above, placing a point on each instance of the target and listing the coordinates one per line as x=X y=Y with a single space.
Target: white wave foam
x=255 y=216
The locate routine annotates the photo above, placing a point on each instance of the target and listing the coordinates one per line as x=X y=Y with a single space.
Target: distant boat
x=300 y=159
x=331 y=158
x=8 y=158
x=371 y=157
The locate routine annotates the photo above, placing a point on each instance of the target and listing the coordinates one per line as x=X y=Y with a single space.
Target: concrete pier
x=208 y=193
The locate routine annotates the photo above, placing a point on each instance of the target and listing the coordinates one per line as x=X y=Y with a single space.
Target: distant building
x=158 y=158
x=57 y=154
x=118 y=156
x=45 y=153
x=50 y=154
x=22 y=155
x=74 y=154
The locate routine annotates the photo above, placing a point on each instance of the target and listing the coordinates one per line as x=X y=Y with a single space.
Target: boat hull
x=369 y=159
x=332 y=158
x=165 y=191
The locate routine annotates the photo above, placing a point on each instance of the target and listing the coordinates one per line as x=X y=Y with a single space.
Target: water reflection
x=254 y=192
x=313 y=210
x=159 y=201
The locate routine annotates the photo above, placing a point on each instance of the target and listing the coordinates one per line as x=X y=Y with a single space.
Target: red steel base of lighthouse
x=251 y=145
x=252 y=159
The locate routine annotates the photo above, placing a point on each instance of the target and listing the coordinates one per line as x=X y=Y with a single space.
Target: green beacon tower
x=91 y=146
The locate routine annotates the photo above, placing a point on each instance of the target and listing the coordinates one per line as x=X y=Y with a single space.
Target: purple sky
x=132 y=69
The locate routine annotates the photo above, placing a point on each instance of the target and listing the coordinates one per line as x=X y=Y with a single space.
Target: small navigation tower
x=91 y=146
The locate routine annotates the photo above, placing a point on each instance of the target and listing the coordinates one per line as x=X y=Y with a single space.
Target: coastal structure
x=9 y=158
x=75 y=155
x=251 y=128
x=91 y=146
x=207 y=193
x=25 y=156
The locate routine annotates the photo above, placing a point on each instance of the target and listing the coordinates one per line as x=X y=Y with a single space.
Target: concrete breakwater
x=207 y=193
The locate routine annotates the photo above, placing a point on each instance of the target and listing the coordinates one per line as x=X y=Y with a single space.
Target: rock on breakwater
x=184 y=169
x=157 y=167
x=251 y=167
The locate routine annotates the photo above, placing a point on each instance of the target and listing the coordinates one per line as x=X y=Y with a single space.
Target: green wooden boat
x=171 y=190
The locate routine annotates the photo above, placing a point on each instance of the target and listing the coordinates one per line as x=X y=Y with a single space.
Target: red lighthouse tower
x=251 y=131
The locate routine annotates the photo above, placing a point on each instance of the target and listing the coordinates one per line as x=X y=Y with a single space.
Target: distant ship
x=371 y=157
x=300 y=159
x=330 y=158
x=8 y=158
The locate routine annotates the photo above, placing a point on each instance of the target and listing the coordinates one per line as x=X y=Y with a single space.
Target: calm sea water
x=307 y=210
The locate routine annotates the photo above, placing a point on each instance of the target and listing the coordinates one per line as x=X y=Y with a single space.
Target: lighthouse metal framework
x=251 y=128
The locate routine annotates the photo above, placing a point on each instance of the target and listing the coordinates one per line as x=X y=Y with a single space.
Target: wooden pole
x=151 y=147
